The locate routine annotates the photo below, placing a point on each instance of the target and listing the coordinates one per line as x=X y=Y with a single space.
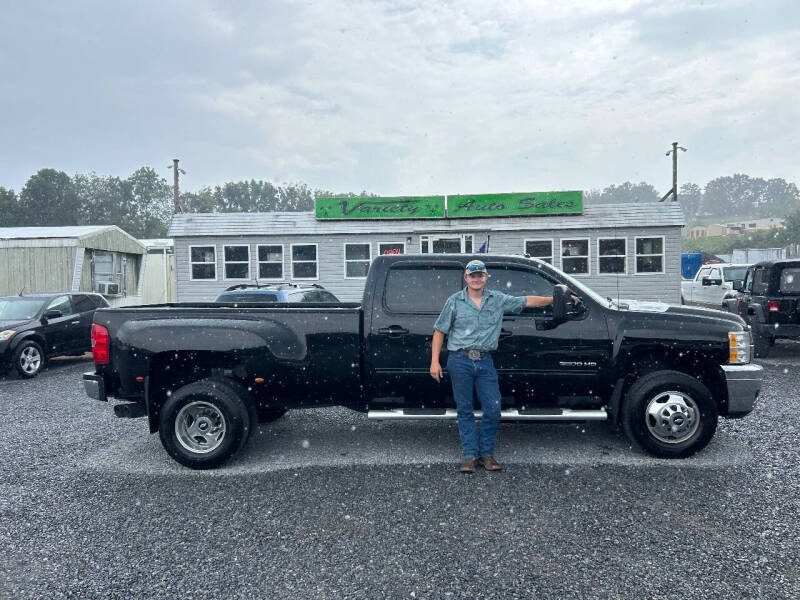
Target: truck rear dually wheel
x=669 y=414
x=204 y=423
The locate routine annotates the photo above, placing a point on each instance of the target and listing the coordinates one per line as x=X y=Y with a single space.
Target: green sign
x=506 y=205
x=400 y=207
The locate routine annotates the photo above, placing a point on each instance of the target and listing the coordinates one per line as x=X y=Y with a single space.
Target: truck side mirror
x=52 y=314
x=706 y=281
x=738 y=285
x=560 y=300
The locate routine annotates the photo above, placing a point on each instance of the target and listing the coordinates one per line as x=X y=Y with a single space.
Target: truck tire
x=238 y=389
x=28 y=359
x=669 y=414
x=204 y=423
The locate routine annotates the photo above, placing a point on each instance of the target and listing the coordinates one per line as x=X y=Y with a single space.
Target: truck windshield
x=734 y=273
x=790 y=281
x=13 y=309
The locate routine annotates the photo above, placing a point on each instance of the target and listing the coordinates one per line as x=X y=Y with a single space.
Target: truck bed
x=301 y=350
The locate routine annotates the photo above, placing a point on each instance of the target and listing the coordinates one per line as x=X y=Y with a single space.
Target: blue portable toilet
x=690 y=264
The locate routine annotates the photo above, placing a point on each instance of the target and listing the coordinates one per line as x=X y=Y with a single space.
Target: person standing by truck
x=472 y=319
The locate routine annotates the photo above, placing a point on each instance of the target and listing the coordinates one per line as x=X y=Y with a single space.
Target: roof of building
x=29 y=233
x=650 y=214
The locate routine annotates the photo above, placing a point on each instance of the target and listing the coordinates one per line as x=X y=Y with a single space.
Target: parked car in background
x=35 y=327
x=276 y=292
x=769 y=300
x=712 y=285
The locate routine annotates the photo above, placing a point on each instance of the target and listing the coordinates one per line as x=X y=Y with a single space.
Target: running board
x=558 y=414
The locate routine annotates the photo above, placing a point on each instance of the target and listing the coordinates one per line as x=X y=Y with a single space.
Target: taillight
x=774 y=306
x=100 y=344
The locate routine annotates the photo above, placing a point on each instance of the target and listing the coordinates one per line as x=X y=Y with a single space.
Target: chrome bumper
x=95 y=386
x=744 y=384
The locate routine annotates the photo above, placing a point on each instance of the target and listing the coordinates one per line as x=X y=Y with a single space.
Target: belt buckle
x=474 y=354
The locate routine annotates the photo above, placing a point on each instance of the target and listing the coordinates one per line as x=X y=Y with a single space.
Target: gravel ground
x=326 y=504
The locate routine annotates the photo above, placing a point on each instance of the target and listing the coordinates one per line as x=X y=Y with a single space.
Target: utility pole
x=176 y=207
x=674 y=190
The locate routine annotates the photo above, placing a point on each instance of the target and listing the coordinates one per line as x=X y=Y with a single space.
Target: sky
x=402 y=97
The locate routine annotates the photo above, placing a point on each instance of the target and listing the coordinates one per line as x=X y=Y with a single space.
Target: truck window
x=517 y=281
x=748 y=281
x=420 y=289
x=733 y=273
x=790 y=281
x=702 y=273
x=83 y=303
x=760 y=281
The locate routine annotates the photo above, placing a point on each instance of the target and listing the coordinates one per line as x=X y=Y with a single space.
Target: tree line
x=142 y=203
x=725 y=198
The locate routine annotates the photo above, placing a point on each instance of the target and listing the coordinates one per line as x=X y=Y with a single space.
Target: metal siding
x=36 y=269
x=301 y=223
x=662 y=287
x=114 y=240
x=86 y=275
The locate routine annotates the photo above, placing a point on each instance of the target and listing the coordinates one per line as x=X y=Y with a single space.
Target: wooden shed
x=91 y=258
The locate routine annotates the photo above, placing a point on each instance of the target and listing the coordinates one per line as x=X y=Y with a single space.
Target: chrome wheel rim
x=200 y=427
x=30 y=359
x=672 y=417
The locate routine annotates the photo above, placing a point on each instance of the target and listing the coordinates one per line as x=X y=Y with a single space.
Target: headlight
x=739 y=347
x=6 y=335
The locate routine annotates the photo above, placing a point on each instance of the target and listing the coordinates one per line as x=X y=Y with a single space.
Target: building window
x=356 y=260
x=429 y=244
x=391 y=248
x=237 y=262
x=270 y=262
x=611 y=255
x=649 y=254
x=203 y=262
x=575 y=256
x=108 y=272
x=541 y=249
x=304 y=261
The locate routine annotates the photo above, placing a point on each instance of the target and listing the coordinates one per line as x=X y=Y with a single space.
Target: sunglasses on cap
x=473 y=268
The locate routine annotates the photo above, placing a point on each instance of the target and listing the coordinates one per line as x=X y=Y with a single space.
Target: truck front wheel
x=203 y=424
x=670 y=414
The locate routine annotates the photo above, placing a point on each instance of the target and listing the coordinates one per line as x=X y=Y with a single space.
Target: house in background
x=619 y=250
x=91 y=258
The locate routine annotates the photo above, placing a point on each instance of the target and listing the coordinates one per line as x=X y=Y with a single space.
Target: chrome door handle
x=76 y=322
x=393 y=331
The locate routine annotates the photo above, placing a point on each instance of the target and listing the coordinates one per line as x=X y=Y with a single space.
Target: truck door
x=397 y=353
x=542 y=364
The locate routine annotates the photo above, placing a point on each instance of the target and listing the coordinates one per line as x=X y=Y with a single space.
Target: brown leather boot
x=489 y=463
x=468 y=465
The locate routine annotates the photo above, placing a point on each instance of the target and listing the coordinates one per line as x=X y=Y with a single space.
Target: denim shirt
x=468 y=326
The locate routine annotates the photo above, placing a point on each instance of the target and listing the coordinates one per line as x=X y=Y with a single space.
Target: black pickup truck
x=204 y=374
x=768 y=299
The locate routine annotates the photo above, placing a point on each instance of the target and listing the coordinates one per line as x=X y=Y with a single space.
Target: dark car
x=35 y=327
x=276 y=292
x=769 y=300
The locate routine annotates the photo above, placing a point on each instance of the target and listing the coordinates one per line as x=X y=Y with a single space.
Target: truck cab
x=712 y=285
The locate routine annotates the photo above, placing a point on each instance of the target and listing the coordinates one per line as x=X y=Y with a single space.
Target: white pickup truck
x=711 y=284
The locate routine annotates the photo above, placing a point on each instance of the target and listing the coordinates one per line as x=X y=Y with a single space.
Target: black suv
x=769 y=300
x=35 y=327
x=276 y=292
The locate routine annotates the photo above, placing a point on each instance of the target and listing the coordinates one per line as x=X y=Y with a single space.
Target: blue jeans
x=480 y=374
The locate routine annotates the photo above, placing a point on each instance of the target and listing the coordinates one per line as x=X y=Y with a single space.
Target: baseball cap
x=474 y=265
